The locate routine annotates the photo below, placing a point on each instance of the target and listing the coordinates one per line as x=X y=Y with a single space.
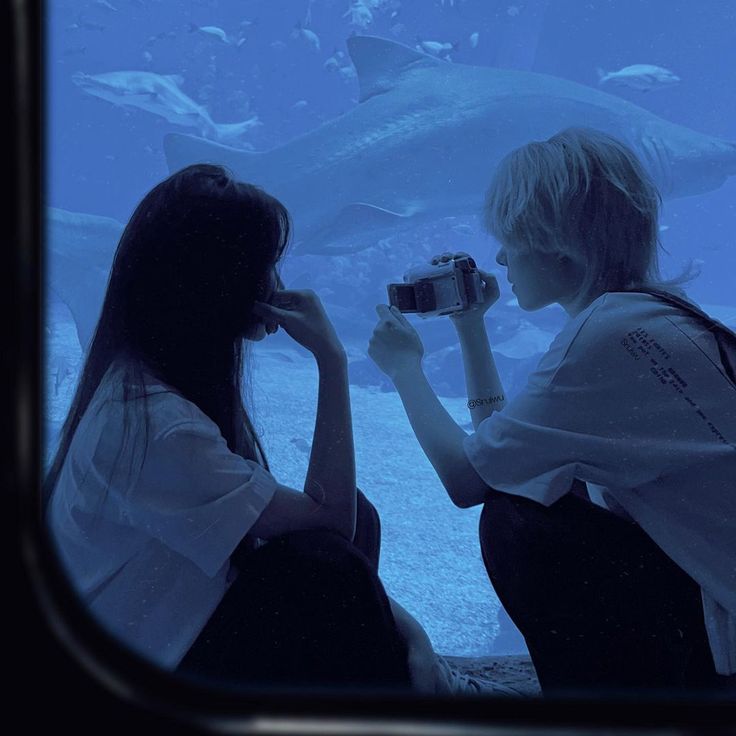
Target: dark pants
x=598 y=602
x=307 y=610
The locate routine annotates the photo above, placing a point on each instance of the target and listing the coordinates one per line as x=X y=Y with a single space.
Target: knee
x=368 y=522
x=318 y=551
x=511 y=529
x=504 y=515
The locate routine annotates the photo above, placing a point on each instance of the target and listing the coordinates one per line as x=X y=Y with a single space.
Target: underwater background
x=284 y=70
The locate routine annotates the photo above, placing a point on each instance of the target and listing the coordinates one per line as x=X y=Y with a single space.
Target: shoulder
x=161 y=407
x=615 y=314
x=591 y=342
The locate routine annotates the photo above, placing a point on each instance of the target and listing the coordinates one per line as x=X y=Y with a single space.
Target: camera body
x=434 y=290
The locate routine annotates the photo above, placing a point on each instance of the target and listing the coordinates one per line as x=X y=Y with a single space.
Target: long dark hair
x=194 y=257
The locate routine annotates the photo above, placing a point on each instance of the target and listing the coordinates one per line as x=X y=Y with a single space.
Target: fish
x=217 y=32
x=335 y=61
x=360 y=14
x=425 y=137
x=161 y=95
x=87 y=25
x=437 y=48
x=308 y=36
x=474 y=39
x=105 y=5
x=347 y=72
x=299 y=105
x=643 y=77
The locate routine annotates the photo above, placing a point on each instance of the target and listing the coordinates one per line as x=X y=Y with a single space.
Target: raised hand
x=395 y=345
x=301 y=314
x=491 y=290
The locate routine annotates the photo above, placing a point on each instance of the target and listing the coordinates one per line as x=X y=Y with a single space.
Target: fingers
x=400 y=317
x=448 y=256
x=442 y=258
x=269 y=312
x=286 y=299
x=391 y=315
x=384 y=312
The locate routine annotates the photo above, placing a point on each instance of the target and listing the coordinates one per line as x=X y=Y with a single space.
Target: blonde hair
x=583 y=193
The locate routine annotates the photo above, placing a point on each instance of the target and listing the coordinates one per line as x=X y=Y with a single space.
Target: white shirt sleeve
x=592 y=410
x=196 y=496
x=626 y=400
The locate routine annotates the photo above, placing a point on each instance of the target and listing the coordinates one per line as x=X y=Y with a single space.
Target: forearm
x=484 y=388
x=331 y=474
x=440 y=437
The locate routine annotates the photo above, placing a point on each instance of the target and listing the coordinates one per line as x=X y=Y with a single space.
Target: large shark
x=162 y=95
x=80 y=249
x=425 y=137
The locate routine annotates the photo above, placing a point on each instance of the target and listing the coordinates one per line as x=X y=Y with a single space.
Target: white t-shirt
x=150 y=554
x=632 y=399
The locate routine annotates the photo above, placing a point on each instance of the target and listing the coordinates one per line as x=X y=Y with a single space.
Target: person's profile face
x=260 y=329
x=537 y=278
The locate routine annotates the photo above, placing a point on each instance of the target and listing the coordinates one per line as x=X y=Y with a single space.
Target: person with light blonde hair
x=609 y=508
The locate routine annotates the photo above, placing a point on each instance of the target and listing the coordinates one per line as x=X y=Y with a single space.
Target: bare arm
x=484 y=388
x=397 y=350
x=329 y=498
x=440 y=437
x=330 y=477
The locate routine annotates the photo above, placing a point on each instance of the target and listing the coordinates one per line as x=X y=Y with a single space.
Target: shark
x=80 y=248
x=162 y=95
x=424 y=138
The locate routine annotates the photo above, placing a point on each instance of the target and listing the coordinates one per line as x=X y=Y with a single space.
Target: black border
x=67 y=672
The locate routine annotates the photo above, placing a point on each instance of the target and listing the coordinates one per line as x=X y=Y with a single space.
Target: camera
x=439 y=289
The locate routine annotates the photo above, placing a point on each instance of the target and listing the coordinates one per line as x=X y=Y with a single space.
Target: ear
x=576 y=259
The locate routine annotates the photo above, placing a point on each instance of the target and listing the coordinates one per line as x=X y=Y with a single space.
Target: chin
x=530 y=306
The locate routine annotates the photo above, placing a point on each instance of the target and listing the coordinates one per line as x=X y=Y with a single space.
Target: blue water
x=103 y=158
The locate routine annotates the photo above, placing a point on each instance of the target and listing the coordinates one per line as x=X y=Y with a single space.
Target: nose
x=501 y=257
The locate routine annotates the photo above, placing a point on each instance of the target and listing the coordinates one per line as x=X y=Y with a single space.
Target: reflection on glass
x=542 y=458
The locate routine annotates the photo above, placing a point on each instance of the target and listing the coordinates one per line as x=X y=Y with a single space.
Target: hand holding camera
x=451 y=285
x=395 y=345
x=489 y=289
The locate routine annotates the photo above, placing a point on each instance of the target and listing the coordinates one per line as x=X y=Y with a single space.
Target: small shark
x=424 y=140
x=161 y=95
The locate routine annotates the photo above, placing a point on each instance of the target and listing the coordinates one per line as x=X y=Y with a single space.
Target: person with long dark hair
x=160 y=501
x=609 y=522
